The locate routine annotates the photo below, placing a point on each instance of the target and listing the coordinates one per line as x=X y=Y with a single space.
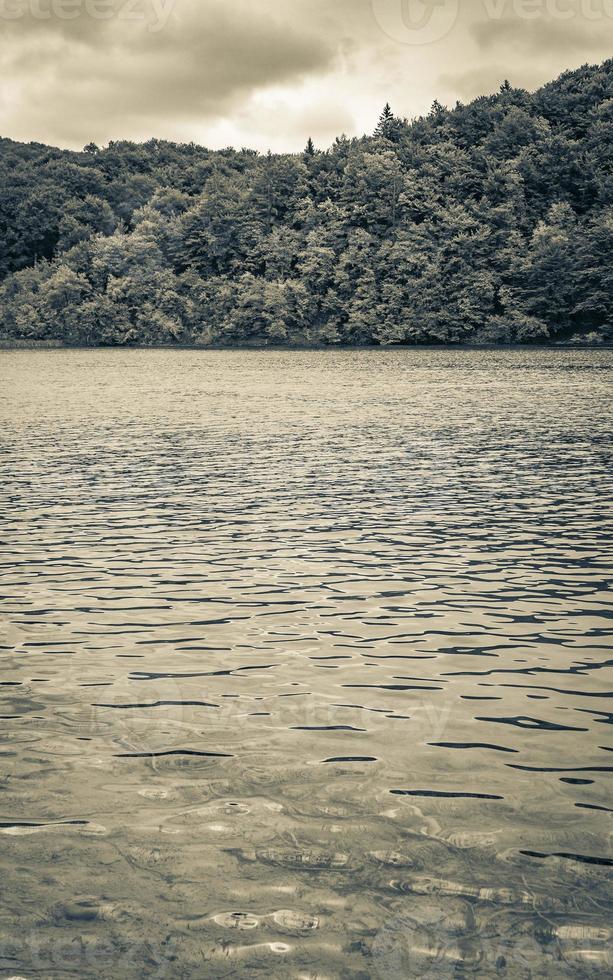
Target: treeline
x=490 y=222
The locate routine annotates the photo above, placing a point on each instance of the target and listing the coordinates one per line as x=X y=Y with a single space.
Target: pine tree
x=386 y=121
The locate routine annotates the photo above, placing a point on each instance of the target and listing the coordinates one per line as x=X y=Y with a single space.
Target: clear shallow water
x=306 y=664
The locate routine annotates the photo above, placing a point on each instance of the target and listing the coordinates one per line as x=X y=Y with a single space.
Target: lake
x=306 y=664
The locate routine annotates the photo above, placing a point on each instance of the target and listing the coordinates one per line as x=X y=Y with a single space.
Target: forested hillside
x=490 y=222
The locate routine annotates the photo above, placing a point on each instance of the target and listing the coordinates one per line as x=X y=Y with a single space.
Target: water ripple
x=272 y=535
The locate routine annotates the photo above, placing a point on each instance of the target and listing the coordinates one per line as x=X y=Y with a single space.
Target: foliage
x=488 y=223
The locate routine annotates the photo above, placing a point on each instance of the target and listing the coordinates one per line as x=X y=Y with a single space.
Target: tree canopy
x=487 y=222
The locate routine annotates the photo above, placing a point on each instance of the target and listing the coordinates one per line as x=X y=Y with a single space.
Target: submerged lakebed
x=306 y=663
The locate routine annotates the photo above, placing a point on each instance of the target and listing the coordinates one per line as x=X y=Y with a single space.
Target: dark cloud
x=263 y=72
x=108 y=76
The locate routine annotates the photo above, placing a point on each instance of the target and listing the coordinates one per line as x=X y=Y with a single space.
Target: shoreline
x=16 y=345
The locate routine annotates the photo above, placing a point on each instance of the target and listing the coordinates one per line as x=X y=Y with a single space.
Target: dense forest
x=486 y=223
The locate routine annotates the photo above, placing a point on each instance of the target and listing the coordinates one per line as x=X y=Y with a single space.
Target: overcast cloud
x=269 y=73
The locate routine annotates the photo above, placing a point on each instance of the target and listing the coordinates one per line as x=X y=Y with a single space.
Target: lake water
x=306 y=664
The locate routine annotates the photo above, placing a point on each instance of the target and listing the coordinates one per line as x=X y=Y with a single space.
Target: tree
x=594 y=274
x=547 y=279
x=490 y=222
x=362 y=315
x=371 y=190
x=386 y=122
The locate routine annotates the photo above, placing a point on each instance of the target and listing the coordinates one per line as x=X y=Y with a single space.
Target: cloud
x=75 y=77
x=264 y=73
x=467 y=85
x=546 y=33
x=486 y=80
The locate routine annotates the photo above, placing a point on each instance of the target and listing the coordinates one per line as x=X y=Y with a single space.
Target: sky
x=268 y=74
